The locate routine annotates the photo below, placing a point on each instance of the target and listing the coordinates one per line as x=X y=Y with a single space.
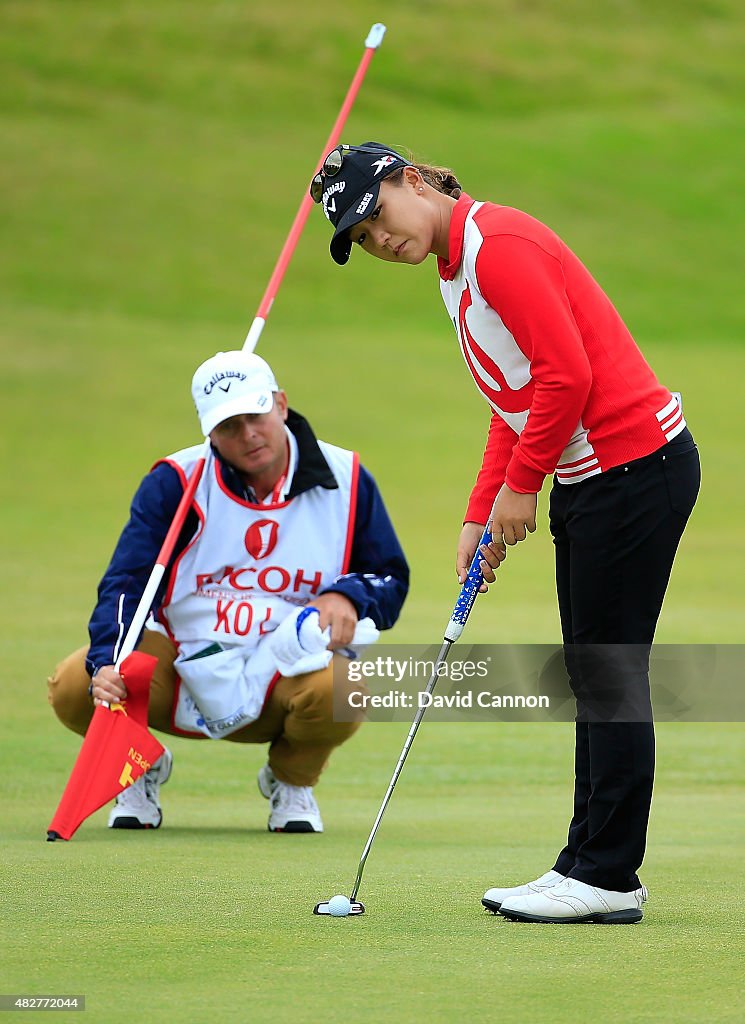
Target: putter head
x=323 y=908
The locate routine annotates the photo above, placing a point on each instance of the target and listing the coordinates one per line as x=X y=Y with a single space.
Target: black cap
x=350 y=196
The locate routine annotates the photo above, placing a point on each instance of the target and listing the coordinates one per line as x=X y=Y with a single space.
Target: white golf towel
x=224 y=687
x=300 y=645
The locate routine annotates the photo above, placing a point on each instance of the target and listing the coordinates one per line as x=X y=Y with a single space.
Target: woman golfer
x=570 y=395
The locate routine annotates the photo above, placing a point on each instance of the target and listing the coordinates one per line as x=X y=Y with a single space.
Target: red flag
x=116 y=751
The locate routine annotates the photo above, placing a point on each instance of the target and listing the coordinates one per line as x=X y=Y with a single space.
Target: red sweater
x=569 y=390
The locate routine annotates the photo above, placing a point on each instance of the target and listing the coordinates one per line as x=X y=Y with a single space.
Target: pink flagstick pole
x=373 y=41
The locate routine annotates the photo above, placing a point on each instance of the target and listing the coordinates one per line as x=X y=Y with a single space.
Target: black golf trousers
x=615 y=537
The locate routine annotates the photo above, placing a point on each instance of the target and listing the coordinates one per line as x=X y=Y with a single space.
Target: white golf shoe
x=137 y=806
x=494 y=898
x=573 y=902
x=294 y=808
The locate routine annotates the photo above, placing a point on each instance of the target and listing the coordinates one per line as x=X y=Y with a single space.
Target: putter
x=455 y=626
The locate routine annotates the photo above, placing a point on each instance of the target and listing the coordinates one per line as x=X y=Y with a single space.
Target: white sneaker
x=494 y=898
x=294 y=808
x=137 y=806
x=575 y=902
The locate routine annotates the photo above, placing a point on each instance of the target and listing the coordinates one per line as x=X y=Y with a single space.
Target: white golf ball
x=339 y=906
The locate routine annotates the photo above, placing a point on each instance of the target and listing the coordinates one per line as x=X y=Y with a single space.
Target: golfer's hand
x=493 y=553
x=338 y=612
x=108 y=686
x=512 y=515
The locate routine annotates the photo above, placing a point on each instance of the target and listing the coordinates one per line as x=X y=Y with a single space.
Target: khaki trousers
x=297 y=720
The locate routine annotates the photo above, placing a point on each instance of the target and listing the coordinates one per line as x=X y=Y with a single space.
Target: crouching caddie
x=286 y=556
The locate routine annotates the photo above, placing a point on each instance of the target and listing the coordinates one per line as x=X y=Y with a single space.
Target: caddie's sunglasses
x=334 y=163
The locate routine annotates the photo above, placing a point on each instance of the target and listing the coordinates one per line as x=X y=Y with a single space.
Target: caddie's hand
x=512 y=515
x=107 y=685
x=338 y=612
x=493 y=553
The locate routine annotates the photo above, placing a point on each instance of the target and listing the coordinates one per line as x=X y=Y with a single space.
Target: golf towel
x=223 y=687
x=300 y=645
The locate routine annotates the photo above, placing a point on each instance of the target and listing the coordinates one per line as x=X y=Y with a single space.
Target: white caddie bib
x=247 y=567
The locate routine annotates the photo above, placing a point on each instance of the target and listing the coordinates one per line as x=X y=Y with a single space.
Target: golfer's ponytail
x=440 y=178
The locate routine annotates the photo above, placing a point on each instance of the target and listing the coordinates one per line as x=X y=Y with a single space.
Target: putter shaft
x=441 y=659
x=468 y=593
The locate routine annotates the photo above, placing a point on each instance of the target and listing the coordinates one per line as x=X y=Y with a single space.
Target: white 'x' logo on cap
x=384 y=161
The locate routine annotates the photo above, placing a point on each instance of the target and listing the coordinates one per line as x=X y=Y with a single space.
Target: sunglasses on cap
x=332 y=165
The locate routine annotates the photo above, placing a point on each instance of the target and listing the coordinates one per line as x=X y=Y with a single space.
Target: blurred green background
x=153 y=158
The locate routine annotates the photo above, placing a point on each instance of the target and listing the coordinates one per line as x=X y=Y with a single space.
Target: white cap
x=229 y=384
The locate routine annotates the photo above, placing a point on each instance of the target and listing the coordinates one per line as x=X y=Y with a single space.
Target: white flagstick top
x=151 y=588
x=252 y=338
x=143 y=609
x=375 y=36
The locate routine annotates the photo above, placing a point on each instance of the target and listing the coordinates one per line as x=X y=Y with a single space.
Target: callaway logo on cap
x=230 y=384
x=350 y=192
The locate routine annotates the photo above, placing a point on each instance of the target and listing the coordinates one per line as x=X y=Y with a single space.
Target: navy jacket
x=377 y=581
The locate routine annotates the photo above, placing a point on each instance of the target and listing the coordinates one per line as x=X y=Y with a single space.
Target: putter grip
x=468 y=593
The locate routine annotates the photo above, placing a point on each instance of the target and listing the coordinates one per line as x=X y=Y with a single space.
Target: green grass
x=207 y=920
x=153 y=158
